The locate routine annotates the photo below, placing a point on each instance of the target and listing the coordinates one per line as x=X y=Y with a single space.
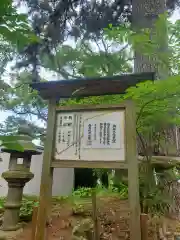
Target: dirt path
x=113 y=218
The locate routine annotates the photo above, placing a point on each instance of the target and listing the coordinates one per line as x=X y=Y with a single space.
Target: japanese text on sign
x=83 y=136
x=100 y=134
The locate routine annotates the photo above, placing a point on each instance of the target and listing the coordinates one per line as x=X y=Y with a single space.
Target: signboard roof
x=85 y=87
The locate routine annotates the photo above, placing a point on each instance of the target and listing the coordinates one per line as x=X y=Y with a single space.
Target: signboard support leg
x=49 y=207
x=144 y=226
x=94 y=211
x=47 y=175
x=133 y=174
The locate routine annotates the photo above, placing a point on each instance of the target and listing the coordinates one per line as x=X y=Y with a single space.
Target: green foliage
x=157 y=103
x=82 y=192
x=160 y=44
x=24 y=103
x=14 y=27
x=155 y=202
x=98 y=58
x=157 y=106
x=26 y=210
x=15 y=33
x=120 y=191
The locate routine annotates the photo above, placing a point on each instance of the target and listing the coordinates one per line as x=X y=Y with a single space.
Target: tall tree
x=56 y=21
x=144 y=16
x=90 y=58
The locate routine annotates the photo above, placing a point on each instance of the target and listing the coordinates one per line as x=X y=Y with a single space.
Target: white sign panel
x=102 y=134
x=90 y=136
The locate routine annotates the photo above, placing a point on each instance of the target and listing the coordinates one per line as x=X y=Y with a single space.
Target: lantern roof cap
x=23 y=141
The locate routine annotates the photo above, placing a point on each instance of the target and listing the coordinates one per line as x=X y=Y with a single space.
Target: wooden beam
x=86 y=87
x=34 y=222
x=162 y=160
x=60 y=163
x=133 y=172
x=88 y=164
x=98 y=107
x=46 y=176
x=94 y=215
x=144 y=226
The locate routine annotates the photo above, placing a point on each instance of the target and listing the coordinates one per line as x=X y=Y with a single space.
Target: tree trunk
x=144 y=14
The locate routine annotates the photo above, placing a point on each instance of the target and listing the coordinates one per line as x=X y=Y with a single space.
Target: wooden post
x=133 y=172
x=94 y=215
x=34 y=221
x=49 y=207
x=144 y=226
x=46 y=177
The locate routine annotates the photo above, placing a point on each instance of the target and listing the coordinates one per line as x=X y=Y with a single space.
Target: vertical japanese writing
x=89 y=142
x=108 y=133
x=114 y=133
x=95 y=129
x=64 y=134
x=68 y=138
x=77 y=135
x=74 y=129
x=100 y=132
x=60 y=123
x=104 y=133
x=63 y=138
x=79 y=140
x=59 y=137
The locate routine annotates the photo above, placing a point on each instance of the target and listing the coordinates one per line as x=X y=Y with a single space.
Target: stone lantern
x=17 y=176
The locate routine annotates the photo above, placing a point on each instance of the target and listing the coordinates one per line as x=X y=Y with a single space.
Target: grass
x=77 y=197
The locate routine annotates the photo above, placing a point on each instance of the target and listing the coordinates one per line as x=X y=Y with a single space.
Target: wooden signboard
x=87 y=136
x=102 y=136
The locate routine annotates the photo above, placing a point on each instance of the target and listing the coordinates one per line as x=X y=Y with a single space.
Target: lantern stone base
x=4 y=235
x=10 y=228
x=16 y=181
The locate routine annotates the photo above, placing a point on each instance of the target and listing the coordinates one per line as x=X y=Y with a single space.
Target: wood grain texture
x=86 y=87
x=94 y=215
x=144 y=226
x=131 y=164
x=88 y=164
x=80 y=108
x=47 y=175
x=133 y=172
x=165 y=160
x=34 y=222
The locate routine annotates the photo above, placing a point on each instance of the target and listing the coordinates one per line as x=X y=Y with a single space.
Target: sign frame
x=100 y=163
x=130 y=163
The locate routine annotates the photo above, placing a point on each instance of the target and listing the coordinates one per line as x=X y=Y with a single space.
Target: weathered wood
x=144 y=226
x=34 y=222
x=46 y=177
x=133 y=172
x=94 y=215
x=131 y=162
x=90 y=86
x=164 y=160
x=98 y=107
x=87 y=164
x=49 y=207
